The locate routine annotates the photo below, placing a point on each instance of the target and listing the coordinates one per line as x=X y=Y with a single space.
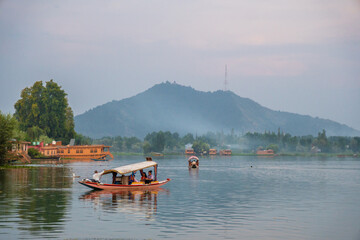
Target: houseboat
x=120 y=181
x=226 y=152
x=189 y=151
x=268 y=152
x=85 y=152
x=212 y=151
x=56 y=149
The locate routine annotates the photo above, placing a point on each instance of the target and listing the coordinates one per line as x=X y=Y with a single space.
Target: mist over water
x=226 y=198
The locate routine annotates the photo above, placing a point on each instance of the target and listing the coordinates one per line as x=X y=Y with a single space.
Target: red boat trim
x=117 y=186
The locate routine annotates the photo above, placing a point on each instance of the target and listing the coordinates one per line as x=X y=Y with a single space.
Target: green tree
x=322 y=142
x=18 y=134
x=157 y=141
x=7 y=125
x=355 y=144
x=200 y=147
x=47 y=109
x=118 y=144
x=34 y=133
x=55 y=110
x=69 y=124
x=132 y=144
x=188 y=138
x=34 y=153
x=82 y=140
x=45 y=139
x=30 y=107
x=274 y=147
x=146 y=147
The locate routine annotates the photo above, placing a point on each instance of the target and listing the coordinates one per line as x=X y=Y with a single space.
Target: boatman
x=96 y=176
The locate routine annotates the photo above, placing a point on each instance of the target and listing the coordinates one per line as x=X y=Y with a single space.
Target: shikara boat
x=122 y=182
x=193 y=162
x=100 y=159
x=156 y=154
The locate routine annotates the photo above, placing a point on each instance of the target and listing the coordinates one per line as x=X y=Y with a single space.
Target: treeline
x=153 y=142
x=43 y=114
x=249 y=143
x=286 y=143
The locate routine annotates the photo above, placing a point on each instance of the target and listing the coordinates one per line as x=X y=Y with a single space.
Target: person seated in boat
x=150 y=177
x=132 y=178
x=143 y=176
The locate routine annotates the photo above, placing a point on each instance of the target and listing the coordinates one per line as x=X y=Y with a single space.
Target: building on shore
x=19 y=150
x=226 y=152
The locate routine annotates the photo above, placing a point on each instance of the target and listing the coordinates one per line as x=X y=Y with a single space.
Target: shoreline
x=285 y=154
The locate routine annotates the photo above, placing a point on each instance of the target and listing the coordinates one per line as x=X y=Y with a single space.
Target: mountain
x=176 y=108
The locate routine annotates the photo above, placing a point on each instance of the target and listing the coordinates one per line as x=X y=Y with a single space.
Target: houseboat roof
x=16 y=141
x=131 y=167
x=76 y=146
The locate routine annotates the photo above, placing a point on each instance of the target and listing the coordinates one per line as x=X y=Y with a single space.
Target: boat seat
x=125 y=180
x=118 y=180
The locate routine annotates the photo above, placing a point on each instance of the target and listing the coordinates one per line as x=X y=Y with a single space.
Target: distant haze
x=294 y=56
x=175 y=108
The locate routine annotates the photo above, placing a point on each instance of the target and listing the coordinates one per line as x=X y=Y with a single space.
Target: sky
x=287 y=55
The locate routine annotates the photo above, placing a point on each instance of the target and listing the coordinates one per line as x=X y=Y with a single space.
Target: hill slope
x=176 y=108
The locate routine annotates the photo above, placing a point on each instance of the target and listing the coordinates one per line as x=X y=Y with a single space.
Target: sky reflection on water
x=279 y=198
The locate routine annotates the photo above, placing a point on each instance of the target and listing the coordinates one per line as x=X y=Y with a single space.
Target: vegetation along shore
x=43 y=114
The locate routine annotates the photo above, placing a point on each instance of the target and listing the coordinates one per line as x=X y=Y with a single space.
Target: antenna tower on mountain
x=225 y=81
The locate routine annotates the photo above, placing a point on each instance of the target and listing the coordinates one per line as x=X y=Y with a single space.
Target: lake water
x=226 y=198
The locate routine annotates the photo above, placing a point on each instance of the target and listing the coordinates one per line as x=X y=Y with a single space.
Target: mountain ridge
x=176 y=108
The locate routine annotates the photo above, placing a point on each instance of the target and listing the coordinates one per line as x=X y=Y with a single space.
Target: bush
x=274 y=147
x=34 y=153
x=7 y=125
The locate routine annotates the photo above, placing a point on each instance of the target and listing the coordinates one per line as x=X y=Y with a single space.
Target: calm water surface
x=276 y=198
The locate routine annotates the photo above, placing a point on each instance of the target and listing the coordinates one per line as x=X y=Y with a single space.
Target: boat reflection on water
x=194 y=173
x=140 y=203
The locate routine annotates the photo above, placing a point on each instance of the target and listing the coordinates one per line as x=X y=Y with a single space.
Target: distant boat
x=156 y=154
x=99 y=159
x=193 y=162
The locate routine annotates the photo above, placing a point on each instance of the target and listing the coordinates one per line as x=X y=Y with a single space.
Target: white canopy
x=131 y=167
x=193 y=158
